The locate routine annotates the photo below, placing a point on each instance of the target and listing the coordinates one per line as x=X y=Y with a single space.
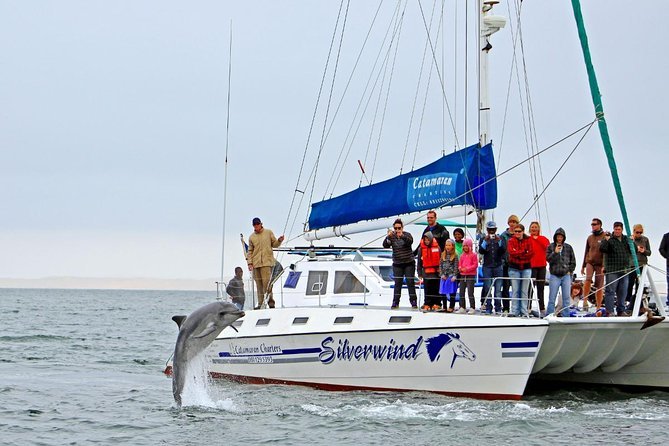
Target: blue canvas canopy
x=454 y=179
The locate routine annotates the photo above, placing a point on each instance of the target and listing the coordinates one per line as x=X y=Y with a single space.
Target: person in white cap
x=492 y=248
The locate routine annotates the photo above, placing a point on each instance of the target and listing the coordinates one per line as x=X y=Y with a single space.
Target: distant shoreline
x=112 y=283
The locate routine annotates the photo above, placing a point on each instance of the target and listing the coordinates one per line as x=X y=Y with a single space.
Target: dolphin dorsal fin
x=179 y=320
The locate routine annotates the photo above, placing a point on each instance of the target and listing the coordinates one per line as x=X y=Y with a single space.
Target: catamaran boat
x=333 y=327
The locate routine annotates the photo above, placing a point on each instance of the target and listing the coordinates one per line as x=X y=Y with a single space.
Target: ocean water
x=86 y=367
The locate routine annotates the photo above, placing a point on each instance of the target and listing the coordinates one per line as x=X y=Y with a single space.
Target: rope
x=327 y=108
x=441 y=80
x=559 y=170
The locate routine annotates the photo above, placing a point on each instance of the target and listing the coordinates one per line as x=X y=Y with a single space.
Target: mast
x=220 y=293
x=488 y=25
x=601 y=121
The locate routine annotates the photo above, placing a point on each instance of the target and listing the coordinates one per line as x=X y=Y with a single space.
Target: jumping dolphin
x=196 y=332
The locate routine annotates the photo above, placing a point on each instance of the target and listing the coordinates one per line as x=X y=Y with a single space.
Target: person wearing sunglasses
x=593 y=263
x=642 y=252
x=507 y=235
x=520 y=251
x=404 y=265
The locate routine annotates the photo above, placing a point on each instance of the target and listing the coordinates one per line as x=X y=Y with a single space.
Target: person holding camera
x=561 y=265
x=492 y=248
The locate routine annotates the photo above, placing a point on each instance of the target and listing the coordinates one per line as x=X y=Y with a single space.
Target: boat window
x=300 y=320
x=262 y=322
x=237 y=323
x=399 y=319
x=385 y=271
x=317 y=283
x=346 y=282
x=343 y=320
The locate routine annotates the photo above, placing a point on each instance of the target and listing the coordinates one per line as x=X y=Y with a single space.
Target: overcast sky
x=113 y=122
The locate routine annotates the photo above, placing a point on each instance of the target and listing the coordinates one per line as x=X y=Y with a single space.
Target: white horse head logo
x=435 y=345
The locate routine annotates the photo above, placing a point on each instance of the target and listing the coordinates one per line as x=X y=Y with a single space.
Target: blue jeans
x=554 y=285
x=519 y=290
x=238 y=305
x=489 y=273
x=616 y=291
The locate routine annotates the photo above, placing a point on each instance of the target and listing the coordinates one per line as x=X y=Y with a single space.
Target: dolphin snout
x=242 y=314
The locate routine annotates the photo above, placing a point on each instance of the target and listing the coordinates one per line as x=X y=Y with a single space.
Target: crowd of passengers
x=515 y=264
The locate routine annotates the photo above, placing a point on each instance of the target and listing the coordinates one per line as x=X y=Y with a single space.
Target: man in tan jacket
x=260 y=259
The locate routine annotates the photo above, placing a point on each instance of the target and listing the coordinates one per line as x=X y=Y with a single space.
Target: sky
x=113 y=122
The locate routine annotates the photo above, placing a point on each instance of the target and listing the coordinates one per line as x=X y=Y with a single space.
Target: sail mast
x=601 y=120
x=488 y=25
x=221 y=293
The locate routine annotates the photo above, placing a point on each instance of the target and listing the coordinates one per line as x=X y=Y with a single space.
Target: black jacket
x=492 y=250
x=402 y=252
x=563 y=262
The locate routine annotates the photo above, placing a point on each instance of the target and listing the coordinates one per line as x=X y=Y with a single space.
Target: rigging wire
x=311 y=126
x=558 y=171
x=352 y=139
x=348 y=83
x=384 y=67
x=327 y=108
x=225 y=173
x=415 y=100
x=441 y=79
x=385 y=106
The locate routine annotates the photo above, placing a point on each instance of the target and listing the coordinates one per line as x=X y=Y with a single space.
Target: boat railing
x=489 y=297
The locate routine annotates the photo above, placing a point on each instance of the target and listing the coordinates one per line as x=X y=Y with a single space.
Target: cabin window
x=237 y=323
x=343 y=320
x=399 y=319
x=262 y=322
x=317 y=283
x=346 y=282
x=386 y=272
x=300 y=320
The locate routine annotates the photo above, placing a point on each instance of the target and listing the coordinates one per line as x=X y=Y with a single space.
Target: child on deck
x=468 y=264
x=448 y=270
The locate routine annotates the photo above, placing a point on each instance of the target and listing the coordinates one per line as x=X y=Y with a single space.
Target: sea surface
x=81 y=367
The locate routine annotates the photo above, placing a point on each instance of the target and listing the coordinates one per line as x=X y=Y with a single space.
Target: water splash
x=199 y=389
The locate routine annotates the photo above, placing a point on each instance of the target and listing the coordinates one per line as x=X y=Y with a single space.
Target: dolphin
x=196 y=332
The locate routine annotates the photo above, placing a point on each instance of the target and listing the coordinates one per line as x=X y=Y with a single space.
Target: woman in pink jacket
x=469 y=263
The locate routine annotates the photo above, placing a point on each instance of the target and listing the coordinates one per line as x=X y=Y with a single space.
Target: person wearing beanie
x=561 y=264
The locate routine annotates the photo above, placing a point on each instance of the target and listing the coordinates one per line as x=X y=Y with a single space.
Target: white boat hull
x=461 y=355
x=605 y=351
